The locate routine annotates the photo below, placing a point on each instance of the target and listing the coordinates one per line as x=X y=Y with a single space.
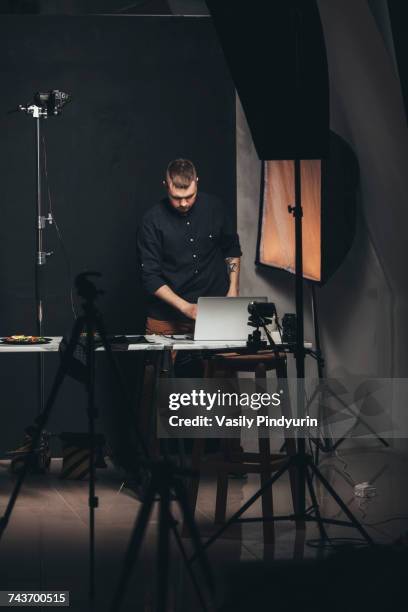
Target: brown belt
x=169 y=328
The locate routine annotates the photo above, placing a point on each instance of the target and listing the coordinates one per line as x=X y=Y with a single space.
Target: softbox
x=329 y=188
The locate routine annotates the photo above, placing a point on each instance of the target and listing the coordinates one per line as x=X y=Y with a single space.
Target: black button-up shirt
x=186 y=252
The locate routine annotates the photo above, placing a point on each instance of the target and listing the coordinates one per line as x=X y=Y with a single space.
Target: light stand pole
x=38 y=113
x=40 y=256
x=46 y=104
x=300 y=354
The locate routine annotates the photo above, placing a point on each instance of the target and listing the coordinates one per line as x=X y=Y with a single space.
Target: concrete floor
x=45 y=546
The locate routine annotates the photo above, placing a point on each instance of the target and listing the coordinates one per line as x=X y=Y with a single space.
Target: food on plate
x=22 y=339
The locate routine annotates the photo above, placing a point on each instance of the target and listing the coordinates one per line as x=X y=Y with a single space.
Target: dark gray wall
x=145 y=90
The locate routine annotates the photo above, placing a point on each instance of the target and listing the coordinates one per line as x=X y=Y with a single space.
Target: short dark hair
x=181 y=172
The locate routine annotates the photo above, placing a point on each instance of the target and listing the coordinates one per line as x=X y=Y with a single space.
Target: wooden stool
x=233 y=458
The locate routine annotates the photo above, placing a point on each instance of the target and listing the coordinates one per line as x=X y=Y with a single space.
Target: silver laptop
x=222 y=318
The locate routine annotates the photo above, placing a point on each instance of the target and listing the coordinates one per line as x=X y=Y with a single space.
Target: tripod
x=92 y=323
x=165 y=482
x=163 y=479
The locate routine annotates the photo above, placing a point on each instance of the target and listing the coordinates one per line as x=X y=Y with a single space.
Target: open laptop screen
x=222 y=318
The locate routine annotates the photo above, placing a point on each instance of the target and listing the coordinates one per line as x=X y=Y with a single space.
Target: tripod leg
x=92 y=413
x=338 y=442
x=188 y=566
x=340 y=503
x=198 y=546
x=343 y=438
x=93 y=504
x=163 y=554
x=134 y=545
x=360 y=420
x=41 y=422
x=301 y=484
x=316 y=457
x=315 y=503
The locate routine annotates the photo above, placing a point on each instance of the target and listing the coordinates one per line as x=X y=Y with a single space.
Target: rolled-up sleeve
x=230 y=245
x=150 y=256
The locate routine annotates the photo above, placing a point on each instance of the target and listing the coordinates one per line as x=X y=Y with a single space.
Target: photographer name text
x=241 y=421
x=219 y=401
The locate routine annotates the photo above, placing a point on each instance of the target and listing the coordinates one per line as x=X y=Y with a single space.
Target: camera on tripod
x=261 y=313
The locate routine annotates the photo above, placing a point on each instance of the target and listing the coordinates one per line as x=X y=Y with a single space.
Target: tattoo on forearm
x=232 y=266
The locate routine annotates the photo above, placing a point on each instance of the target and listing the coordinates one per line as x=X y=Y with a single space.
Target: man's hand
x=232 y=292
x=190 y=311
x=167 y=295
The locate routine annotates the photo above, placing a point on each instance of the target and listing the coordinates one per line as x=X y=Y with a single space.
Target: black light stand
x=301 y=464
x=46 y=105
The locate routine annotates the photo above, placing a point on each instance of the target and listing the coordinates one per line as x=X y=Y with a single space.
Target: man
x=188 y=249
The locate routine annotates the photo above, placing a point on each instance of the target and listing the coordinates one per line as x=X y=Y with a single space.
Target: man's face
x=181 y=199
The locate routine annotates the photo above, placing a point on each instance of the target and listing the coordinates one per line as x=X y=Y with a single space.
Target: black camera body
x=263 y=309
x=259 y=313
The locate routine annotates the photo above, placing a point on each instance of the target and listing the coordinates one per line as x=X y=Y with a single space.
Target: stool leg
x=267 y=497
x=265 y=474
x=208 y=369
x=222 y=488
x=194 y=483
x=147 y=422
x=222 y=475
x=144 y=417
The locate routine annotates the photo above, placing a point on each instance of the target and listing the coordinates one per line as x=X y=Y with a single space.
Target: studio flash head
x=52 y=101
